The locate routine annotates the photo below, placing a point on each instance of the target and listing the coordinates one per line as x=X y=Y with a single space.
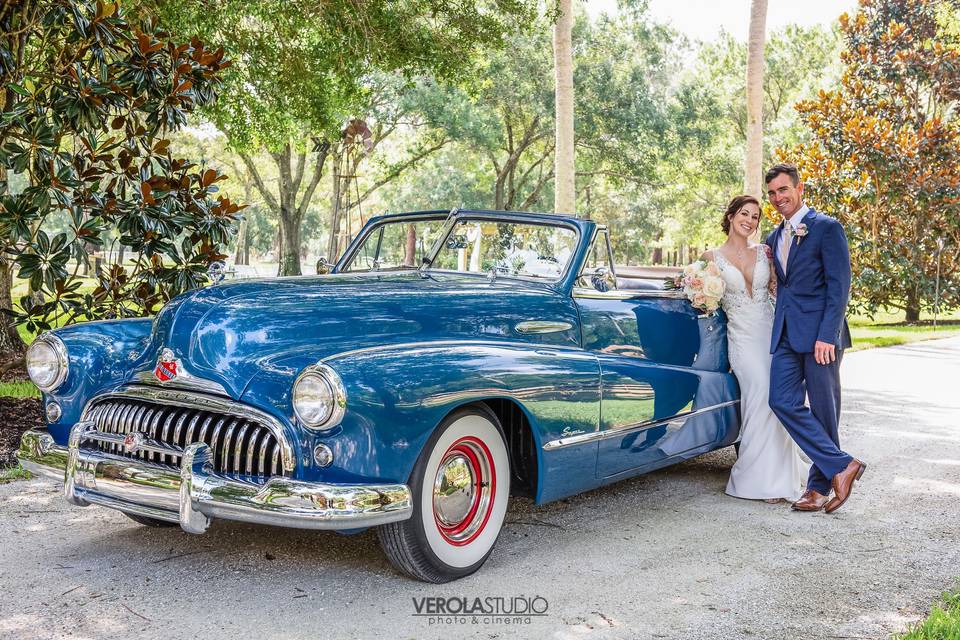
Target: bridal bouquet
x=701 y=283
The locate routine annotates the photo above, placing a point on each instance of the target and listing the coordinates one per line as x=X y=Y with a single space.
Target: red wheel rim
x=469 y=453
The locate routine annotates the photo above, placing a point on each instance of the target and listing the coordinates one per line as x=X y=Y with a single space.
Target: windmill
x=356 y=141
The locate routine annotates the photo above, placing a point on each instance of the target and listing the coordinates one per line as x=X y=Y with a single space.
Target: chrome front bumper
x=193 y=496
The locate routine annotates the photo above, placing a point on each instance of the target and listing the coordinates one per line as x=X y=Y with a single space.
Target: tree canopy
x=885 y=153
x=304 y=69
x=302 y=66
x=89 y=100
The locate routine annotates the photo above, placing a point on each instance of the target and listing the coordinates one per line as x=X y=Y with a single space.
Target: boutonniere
x=800 y=232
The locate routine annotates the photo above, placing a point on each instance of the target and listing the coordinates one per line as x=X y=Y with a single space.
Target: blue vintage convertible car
x=448 y=361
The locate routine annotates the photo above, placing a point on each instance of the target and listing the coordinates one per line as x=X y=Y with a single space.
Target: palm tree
x=753 y=171
x=564 y=175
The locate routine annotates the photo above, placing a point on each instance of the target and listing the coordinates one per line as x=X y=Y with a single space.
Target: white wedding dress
x=769 y=463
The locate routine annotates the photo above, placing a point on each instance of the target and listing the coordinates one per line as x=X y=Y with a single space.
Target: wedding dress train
x=768 y=464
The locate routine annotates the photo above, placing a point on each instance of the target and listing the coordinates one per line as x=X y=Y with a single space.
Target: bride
x=768 y=464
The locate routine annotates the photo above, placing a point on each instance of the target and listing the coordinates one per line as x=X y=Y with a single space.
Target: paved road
x=666 y=555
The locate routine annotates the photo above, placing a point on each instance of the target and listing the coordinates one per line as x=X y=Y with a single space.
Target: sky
x=704 y=19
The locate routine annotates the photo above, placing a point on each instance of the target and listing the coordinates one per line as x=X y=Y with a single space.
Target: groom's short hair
x=783 y=167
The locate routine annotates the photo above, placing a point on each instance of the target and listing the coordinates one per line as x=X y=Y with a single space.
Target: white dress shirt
x=794 y=221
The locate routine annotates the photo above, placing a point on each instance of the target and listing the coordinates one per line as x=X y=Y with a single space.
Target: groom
x=810 y=332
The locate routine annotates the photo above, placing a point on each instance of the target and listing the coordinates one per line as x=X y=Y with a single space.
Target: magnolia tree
x=884 y=154
x=88 y=102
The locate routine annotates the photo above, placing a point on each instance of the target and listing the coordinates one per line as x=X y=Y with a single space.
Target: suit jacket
x=812 y=295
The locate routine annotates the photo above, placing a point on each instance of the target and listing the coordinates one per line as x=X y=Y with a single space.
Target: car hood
x=229 y=333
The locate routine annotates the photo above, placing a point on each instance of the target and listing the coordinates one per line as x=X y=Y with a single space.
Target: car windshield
x=508 y=248
x=393 y=246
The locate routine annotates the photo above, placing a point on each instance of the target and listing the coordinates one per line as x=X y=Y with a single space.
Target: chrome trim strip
x=542 y=326
x=453 y=343
x=194 y=497
x=606 y=434
x=197 y=401
x=626 y=294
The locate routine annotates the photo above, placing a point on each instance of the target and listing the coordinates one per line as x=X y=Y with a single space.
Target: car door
x=663 y=366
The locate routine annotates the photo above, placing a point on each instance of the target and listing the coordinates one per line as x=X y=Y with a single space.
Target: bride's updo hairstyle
x=735 y=205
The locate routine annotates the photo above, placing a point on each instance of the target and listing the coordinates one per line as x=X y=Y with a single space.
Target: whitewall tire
x=461 y=486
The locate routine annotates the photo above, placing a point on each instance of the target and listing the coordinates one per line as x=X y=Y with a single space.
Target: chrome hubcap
x=453 y=490
x=463 y=491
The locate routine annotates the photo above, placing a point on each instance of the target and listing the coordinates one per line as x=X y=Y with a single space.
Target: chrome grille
x=241 y=446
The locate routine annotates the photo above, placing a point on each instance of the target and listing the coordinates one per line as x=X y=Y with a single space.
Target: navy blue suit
x=811 y=305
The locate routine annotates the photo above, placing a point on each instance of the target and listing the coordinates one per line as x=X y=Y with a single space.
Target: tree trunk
x=564 y=182
x=242 y=255
x=913 y=305
x=279 y=241
x=334 y=209
x=753 y=169
x=410 y=253
x=290 y=244
x=11 y=346
x=290 y=214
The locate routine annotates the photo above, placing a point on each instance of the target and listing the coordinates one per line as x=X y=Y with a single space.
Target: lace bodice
x=736 y=296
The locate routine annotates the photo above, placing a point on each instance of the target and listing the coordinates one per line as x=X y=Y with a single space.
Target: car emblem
x=166 y=366
x=132 y=441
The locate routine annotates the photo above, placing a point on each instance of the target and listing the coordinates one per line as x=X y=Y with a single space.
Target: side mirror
x=215 y=271
x=600 y=279
x=323 y=267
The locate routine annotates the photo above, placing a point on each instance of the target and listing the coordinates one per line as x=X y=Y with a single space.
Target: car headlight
x=319 y=399
x=47 y=363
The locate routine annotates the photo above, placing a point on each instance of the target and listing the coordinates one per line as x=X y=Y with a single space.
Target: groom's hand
x=824 y=352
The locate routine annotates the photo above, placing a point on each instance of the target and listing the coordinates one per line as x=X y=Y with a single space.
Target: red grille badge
x=166 y=366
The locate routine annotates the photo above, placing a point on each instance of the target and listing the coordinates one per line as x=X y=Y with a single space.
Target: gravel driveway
x=664 y=555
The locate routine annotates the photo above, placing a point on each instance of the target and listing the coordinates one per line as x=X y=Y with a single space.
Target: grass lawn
x=13 y=474
x=19 y=389
x=943 y=623
x=888 y=329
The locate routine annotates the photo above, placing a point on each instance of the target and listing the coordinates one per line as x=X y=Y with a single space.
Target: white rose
x=713 y=287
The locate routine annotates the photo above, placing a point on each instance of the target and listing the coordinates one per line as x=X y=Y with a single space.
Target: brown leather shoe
x=810 y=501
x=843 y=483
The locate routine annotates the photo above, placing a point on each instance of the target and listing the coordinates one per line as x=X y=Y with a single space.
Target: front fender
x=100 y=355
x=398 y=394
